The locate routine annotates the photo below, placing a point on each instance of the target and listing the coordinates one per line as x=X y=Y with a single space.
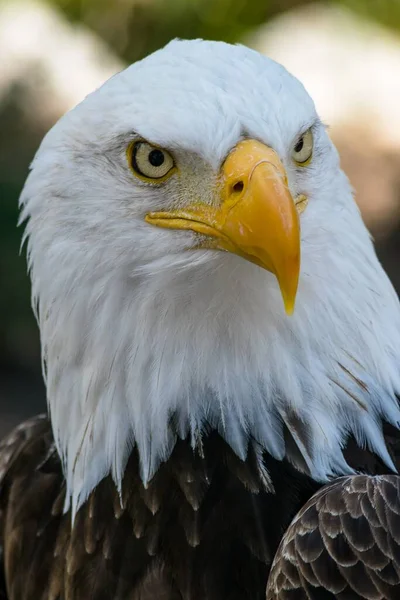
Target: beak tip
x=289 y=298
x=289 y=308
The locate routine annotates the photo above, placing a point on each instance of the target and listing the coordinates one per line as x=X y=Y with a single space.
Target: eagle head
x=197 y=262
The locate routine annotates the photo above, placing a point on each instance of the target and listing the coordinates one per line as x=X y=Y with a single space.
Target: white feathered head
x=173 y=216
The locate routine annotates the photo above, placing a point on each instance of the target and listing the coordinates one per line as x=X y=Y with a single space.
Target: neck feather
x=174 y=364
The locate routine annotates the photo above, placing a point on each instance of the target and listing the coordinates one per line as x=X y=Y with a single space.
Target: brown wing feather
x=344 y=544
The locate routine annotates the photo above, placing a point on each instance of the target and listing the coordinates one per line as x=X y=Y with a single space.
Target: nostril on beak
x=238 y=187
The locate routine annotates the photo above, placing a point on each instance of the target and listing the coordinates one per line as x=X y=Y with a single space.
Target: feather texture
x=202 y=528
x=345 y=543
x=206 y=526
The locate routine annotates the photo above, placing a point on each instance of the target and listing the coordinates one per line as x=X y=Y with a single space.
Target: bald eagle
x=220 y=348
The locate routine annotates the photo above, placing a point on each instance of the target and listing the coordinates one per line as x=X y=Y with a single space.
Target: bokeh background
x=347 y=53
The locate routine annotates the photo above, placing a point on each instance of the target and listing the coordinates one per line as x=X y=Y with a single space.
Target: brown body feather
x=207 y=526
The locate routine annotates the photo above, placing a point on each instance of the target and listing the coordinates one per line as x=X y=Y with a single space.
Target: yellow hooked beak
x=256 y=218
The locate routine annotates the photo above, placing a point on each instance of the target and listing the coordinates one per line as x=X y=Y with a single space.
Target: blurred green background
x=53 y=53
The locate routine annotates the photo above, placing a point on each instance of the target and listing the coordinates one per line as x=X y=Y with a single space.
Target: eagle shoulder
x=18 y=444
x=344 y=543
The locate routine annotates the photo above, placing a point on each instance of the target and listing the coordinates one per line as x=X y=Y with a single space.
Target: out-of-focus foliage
x=386 y=12
x=133 y=28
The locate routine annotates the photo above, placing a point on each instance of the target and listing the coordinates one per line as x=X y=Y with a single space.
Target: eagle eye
x=149 y=162
x=302 y=150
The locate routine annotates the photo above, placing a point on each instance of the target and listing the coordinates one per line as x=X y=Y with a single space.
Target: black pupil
x=299 y=146
x=156 y=158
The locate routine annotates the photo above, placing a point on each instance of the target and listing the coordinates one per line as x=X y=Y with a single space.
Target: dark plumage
x=207 y=526
x=202 y=528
